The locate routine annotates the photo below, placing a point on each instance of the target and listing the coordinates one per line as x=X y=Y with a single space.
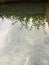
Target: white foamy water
x=23 y=47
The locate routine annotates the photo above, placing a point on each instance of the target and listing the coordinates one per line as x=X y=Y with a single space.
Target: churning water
x=23 y=46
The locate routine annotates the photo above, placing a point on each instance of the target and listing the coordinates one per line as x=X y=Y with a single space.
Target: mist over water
x=23 y=47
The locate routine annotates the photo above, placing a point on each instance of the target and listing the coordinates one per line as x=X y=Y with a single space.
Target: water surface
x=24 y=42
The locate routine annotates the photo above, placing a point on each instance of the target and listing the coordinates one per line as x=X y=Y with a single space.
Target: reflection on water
x=21 y=46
